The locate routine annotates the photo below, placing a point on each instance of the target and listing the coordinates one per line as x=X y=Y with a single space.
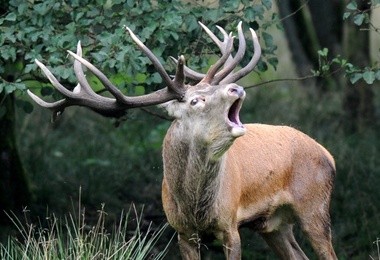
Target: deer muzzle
x=233 y=120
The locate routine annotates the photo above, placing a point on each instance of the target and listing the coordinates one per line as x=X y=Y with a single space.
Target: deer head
x=211 y=90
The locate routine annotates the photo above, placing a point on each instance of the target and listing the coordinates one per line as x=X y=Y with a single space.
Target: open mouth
x=237 y=128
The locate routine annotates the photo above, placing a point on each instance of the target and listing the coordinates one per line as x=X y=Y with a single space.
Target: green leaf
x=9 y=88
x=42 y=8
x=212 y=14
x=377 y=75
x=369 y=76
x=156 y=78
x=262 y=66
x=79 y=16
x=259 y=11
x=95 y=83
x=349 y=67
x=316 y=73
x=346 y=15
x=140 y=78
x=8 y=53
x=249 y=14
x=22 y=7
x=117 y=79
x=355 y=77
x=191 y=23
x=352 y=5
x=131 y=3
x=268 y=39
x=324 y=52
x=139 y=90
x=254 y=12
x=11 y=17
x=267 y=4
x=26 y=106
x=358 y=19
x=47 y=91
x=274 y=62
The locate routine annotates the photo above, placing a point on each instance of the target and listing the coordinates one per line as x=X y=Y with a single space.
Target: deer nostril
x=233 y=90
x=239 y=91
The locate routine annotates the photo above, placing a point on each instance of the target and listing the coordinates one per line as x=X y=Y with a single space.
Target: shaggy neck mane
x=194 y=175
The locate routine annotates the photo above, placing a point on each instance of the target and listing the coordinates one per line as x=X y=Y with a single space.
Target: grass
x=377 y=243
x=73 y=238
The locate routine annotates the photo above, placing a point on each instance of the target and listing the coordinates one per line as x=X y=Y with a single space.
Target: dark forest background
x=319 y=73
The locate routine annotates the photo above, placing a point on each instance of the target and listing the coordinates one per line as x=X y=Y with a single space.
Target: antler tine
x=58 y=106
x=103 y=78
x=221 y=44
x=213 y=37
x=80 y=96
x=179 y=78
x=156 y=63
x=83 y=83
x=53 y=80
x=194 y=75
x=250 y=66
x=42 y=103
x=189 y=73
x=231 y=64
x=214 y=68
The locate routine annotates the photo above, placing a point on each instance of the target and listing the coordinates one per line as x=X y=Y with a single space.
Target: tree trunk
x=311 y=26
x=14 y=188
x=291 y=21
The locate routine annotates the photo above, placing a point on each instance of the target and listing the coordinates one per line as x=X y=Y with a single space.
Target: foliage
x=45 y=30
x=73 y=238
x=354 y=73
x=360 y=17
x=328 y=65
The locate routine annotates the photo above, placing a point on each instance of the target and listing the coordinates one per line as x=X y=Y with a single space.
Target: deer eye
x=194 y=101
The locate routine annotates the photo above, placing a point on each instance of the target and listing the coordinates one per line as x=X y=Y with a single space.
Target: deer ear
x=173 y=108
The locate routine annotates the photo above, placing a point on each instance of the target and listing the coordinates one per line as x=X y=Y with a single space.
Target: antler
x=226 y=75
x=83 y=95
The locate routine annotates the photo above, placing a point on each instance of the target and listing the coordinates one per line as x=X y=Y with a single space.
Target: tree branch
x=284 y=79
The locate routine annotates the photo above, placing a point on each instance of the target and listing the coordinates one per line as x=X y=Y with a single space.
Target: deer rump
x=278 y=169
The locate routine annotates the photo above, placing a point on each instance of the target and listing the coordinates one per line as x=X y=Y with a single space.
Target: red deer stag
x=214 y=182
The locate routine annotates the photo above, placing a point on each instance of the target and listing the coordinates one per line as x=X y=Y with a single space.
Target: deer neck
x=193 y=171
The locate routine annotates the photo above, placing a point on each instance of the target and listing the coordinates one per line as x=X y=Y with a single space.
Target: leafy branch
x=360 y=17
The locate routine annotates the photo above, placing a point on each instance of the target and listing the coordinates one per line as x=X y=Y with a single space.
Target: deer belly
x=267 y=215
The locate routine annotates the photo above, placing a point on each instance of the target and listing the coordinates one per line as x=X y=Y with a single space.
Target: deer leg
x=232 y=246
x=317 y=228
x=189 y=247
x=283 y=243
